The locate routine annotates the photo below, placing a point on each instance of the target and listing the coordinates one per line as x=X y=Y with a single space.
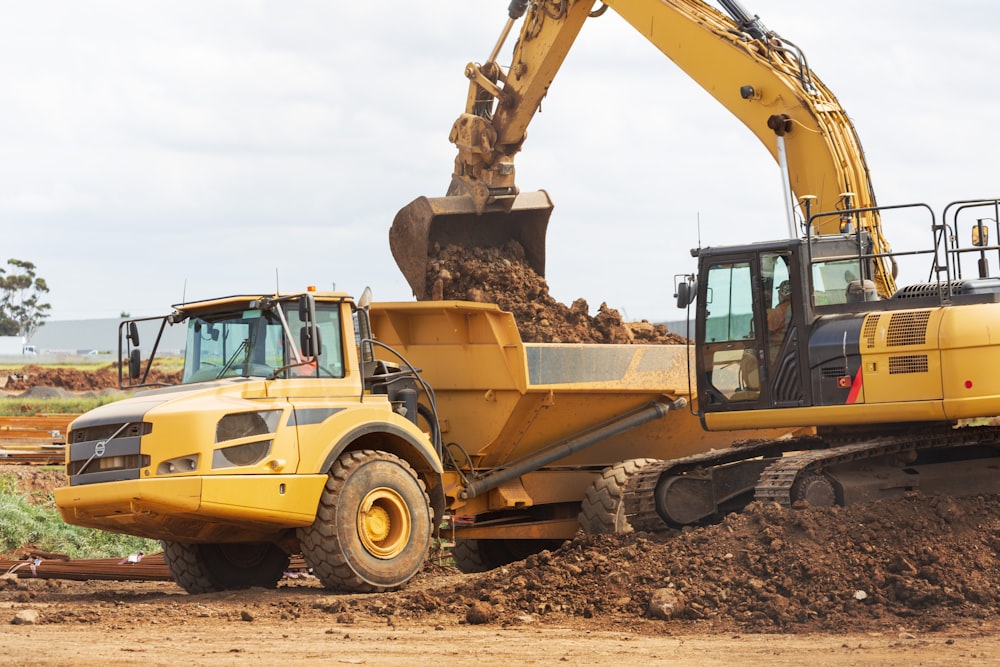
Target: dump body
x=501 y=403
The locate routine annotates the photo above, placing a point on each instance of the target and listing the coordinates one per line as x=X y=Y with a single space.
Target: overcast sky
x=156 y=151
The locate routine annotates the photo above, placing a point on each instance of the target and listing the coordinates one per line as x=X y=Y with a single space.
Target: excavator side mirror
x=980 y=234
x=686 y=291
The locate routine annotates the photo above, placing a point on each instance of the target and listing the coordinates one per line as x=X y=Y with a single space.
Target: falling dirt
x=500 y=275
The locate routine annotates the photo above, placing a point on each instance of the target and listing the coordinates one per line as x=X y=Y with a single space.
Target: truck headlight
x=180 y=464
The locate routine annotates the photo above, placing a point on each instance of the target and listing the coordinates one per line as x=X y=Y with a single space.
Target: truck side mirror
x=134 y=362
x=309 y=341
x=133 y=334
x=305 y=312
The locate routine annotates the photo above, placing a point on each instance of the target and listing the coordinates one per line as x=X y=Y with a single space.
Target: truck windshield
x=253 y=343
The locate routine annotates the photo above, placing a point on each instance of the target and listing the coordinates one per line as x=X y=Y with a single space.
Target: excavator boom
x=761 y=78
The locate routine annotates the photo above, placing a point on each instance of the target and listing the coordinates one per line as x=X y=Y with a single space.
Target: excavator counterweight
x=427 y=224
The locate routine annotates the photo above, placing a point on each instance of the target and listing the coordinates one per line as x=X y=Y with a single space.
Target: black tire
x=602 y=511
x=472 y=556
x=208 y=568
x=372 y=529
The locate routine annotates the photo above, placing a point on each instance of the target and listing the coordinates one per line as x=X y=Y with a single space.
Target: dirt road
x=117 y=623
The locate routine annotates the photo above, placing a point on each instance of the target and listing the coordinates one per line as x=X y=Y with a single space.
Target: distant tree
x=125 y=315
x=21 y=309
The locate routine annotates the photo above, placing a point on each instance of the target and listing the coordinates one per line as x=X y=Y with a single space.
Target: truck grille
x=94 y=458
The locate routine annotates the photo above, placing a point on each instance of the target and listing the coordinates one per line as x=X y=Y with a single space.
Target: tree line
x=21 y=294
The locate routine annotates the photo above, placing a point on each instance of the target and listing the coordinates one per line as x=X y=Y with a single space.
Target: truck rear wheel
x=373 y=526
x=472 y=556
x=208 y=568
x=602 y=511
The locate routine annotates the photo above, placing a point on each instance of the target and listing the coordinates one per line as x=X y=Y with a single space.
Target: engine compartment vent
x=908 y=328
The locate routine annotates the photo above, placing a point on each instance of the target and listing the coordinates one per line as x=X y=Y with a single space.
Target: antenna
x=184 y=291
x=277 y=290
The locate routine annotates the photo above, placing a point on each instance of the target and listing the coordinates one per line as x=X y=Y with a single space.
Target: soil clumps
x=501 y=275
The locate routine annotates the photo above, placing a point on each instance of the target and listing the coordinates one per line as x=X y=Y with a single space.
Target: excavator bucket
x=429 y=223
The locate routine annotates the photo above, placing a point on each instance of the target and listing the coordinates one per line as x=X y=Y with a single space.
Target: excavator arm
x=761 y=78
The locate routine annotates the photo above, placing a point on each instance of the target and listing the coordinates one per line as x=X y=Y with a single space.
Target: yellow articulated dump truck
x=351 y=432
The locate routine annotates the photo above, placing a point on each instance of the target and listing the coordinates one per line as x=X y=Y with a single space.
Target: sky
x=153 y=151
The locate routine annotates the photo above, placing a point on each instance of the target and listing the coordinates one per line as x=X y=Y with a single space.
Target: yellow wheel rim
x=384 y=523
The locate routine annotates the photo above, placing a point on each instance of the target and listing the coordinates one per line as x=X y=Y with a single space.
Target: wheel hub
x=384 y=523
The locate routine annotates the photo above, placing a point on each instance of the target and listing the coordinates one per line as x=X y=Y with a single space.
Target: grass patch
x=14 y=406
x=23 y=522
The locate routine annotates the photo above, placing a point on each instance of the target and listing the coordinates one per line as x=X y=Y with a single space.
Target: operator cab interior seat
x=859 y=291
x=749 y=378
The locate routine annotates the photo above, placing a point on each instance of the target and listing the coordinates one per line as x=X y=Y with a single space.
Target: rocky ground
x=913 y=581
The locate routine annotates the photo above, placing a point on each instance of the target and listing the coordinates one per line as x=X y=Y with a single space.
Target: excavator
x=808 y=331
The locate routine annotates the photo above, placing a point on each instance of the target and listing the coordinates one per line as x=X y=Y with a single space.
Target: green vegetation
x=24 y=522
x=21 y=308
x=14 y=406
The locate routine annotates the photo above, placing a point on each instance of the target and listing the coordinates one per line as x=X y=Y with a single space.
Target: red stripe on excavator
x=852 y=397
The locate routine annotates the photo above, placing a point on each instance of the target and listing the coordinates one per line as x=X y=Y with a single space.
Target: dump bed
x=500 y=399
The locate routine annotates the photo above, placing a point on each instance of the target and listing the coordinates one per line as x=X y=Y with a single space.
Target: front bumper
x=211 y=508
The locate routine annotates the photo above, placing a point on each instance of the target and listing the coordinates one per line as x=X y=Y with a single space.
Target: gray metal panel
x=550 y=364
x=108 y=476
x=81 y=451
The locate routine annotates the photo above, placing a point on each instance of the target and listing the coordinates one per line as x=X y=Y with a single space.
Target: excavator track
x=639 y=497
x=777 y=482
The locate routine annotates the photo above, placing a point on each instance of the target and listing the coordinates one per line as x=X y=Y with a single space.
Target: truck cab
x=284 y=436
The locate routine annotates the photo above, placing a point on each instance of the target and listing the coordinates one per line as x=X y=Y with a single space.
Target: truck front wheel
x=208 y=568
x=373 y=526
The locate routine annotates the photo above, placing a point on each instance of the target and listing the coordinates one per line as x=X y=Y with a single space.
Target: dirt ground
x=914 y=581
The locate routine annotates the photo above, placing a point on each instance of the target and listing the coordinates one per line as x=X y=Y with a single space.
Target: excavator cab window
x=748 y=329
x=730 y=351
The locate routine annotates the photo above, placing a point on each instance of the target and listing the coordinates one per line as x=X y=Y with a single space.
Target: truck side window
x=331 y=359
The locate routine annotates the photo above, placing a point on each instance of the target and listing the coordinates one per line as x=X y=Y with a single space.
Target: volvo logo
x=99 y=448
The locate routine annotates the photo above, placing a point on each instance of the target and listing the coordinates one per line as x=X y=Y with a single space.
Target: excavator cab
x=426 y=226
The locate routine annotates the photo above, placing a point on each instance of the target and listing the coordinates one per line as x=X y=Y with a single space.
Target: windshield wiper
x=244 y=346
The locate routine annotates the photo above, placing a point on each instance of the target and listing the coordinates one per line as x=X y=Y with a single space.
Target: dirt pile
x=76 y=380
x=500 y=275
x=919 y=562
